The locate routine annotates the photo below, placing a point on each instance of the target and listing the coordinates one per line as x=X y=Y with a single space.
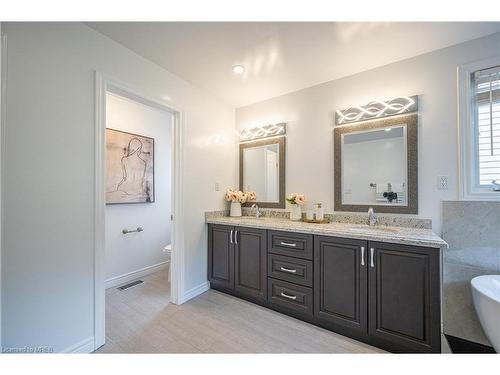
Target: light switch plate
x=442 y=182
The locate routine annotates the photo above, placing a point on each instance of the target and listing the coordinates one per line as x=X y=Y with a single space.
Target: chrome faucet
x=372 y=218
x=257 y=212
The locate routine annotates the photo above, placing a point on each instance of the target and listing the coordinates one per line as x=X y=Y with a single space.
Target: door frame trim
x=3 y=121
x=104 y=84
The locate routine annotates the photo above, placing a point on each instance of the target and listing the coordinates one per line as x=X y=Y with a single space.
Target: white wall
x=48 y=261
x=1 y=170
x=309 y=114
x=135 y=251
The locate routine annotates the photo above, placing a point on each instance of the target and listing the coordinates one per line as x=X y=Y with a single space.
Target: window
x=486 y=86
x=479 y=120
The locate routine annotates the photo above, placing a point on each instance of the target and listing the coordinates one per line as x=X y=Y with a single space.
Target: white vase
x=235 y=209
x=296 y=212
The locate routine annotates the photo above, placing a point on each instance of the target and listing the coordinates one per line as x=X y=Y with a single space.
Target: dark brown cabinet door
x=221 y=256
x=404 y=302
x=340 y=284
x=250 y=270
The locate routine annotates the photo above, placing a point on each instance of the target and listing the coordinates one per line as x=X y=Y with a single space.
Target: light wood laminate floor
x=141 y=320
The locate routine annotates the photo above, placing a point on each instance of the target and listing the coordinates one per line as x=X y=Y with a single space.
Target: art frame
x=147 y=193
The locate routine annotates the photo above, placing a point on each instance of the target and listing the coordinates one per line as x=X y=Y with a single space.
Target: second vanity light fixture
x=263 y=132
x=377 y=109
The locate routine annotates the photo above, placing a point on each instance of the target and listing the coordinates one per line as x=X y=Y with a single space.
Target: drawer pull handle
x=231 y=236
x=288 y=270
x=288 y=296
x=362 y=255
x=372 y=250
x=288 y=244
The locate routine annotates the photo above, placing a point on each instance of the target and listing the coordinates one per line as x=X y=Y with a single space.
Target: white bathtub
x=486 y=297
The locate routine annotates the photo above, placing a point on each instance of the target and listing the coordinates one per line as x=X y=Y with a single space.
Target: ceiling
x=281 y=57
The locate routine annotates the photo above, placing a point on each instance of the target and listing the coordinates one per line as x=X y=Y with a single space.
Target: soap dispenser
x=319 y=212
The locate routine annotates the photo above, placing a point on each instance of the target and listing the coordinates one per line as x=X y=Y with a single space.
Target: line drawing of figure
x=134 y=169
x=134 y=147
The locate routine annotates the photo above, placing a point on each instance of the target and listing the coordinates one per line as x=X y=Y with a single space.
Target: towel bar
x=126 y=231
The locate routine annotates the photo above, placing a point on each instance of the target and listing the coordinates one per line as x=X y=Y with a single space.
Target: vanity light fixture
x=377 y=109
x=263 y=132
x=238 y=69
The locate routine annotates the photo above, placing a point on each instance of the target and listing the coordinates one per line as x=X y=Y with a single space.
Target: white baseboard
x=196 y=291
x=84 y=347
x=130 y=276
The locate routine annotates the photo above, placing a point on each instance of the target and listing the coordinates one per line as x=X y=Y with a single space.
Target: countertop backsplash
x=339 y=217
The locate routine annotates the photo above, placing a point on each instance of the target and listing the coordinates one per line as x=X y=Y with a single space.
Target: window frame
x=468 y=156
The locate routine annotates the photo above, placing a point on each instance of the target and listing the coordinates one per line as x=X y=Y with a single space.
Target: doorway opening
x=138 y=225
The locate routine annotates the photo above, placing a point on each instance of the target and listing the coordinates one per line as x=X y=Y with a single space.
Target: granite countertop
x=400 y=235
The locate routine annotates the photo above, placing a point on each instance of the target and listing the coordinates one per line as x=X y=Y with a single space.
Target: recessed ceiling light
x=238 y=69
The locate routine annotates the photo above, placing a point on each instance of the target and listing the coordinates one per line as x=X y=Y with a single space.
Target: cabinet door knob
x=362 y=255
x=288 y=270
x=287 y=296
x=372 y=250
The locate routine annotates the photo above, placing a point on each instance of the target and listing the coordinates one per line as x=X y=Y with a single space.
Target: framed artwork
x=129 y=168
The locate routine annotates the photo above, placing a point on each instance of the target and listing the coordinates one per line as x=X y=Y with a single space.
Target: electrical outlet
x=442 y=182
x=217 y=186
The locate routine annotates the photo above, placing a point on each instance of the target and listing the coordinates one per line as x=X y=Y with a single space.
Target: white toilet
x=486 y=297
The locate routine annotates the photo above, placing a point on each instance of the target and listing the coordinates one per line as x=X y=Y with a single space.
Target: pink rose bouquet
x=240 y=196
x=296 y=198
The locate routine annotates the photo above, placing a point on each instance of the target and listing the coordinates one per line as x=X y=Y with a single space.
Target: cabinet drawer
x=291 y=297
x=295 y=270
x=297 y=245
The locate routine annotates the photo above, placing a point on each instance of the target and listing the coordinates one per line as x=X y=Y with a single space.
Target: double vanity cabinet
x=381 y=293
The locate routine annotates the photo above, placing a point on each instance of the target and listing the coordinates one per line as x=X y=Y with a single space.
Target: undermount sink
x=377 y=228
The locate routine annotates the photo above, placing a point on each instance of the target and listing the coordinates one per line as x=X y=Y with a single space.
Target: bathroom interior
x=286 y=198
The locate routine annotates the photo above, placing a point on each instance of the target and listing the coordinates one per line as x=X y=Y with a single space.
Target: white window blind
x=486 y=100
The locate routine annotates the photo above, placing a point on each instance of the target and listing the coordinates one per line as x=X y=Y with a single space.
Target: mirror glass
x=374 y=167
x=261 y=172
